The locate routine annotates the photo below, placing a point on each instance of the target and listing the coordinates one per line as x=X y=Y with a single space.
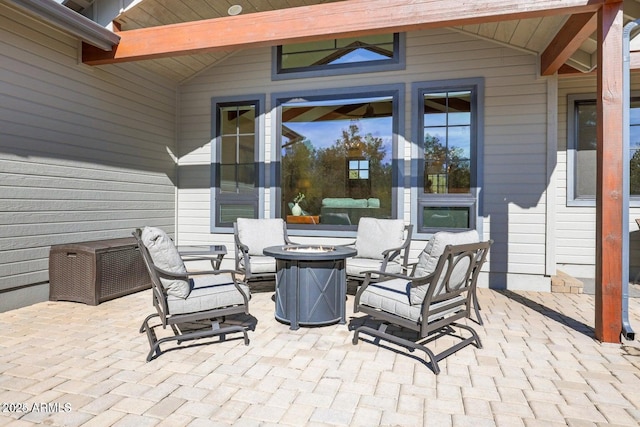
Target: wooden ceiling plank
x=568 y=40
x=321 y=21
x=524 y=31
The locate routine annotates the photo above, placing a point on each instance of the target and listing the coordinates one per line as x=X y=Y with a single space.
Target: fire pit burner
x=310 y=249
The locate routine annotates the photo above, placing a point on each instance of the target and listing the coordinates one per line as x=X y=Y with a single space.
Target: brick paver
x=69 y=364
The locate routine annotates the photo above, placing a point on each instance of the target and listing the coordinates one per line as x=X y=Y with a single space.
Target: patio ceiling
x=564 y=42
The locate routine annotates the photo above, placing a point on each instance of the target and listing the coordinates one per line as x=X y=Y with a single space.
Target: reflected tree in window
x=337 y=149
x=447 y=170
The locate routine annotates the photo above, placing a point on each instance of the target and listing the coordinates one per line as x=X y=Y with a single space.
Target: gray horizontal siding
x=85 y=153
x=515 y=135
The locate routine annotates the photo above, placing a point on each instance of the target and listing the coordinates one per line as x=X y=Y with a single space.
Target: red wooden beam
x=322 y=21
x=569 y=39
x=609 y=203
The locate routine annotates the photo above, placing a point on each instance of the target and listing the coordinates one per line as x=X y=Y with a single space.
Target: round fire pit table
x=311 y=285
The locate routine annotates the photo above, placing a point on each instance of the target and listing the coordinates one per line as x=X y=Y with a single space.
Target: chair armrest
x=386 y=274
x=243 y=248
x=347 y=244
x=215 y=272
x=410 y=266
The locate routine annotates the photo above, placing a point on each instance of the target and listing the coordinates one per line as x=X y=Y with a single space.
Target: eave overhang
x=68 y=21
x=316 y=22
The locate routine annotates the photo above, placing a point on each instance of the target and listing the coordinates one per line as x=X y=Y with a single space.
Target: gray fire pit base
x=310 y=293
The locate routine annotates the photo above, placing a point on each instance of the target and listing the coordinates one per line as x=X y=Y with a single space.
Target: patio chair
x=429 y=305
x=185 y=300
x=382 y=245
x=251 y=237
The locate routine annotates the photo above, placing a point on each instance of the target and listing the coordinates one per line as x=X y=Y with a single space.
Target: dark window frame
x=573 y=100
x=472 y=200
x=398 y=62
x=397 y=92
x=255 y=199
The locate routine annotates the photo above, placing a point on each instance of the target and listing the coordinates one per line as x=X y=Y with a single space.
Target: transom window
x=381 y=52
x=337 y=152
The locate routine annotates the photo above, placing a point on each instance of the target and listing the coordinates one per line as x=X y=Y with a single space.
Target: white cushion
x=391 y=296
x=356 y=266
x=209 y=292
x=428 y=259
x=258 y=234
x=377 y=235
x=165 y=256
x=262 y=264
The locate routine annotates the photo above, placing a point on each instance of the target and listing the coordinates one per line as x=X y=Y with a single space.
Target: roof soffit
x=532 y=34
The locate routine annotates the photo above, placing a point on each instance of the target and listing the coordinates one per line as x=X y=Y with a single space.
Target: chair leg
x=410 y=345
x=215 y=330
x=145 y=322
x=476 y=308
x=381 y=333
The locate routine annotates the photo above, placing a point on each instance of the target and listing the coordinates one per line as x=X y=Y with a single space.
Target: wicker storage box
x=97 y=271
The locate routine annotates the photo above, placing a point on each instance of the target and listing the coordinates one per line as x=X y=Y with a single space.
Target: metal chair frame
x=441 y=309
x=178 y=322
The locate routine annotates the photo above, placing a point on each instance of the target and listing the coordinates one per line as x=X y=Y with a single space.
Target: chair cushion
x=262 y=264
x=258 y=234
x=392 y=297
x=377 y=235
x=208 y=293
x=165 y=256
x=428 y=259
x=355 y=266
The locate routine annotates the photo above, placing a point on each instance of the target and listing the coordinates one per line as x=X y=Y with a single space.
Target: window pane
x=327 y=53
x=228 y=178
x=229 y=213
x=246 y=149
x=236 y=180
x=338 y=154
x=435 y=107
x=585 y=170
x=446 y=217
x=246 y=178
x=237 y=149
x=246 y=119
x=459 y=108
x=228 y=145
x=447 y=142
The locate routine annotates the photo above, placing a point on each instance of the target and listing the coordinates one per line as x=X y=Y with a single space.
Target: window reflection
x=447 y=142
x=338 y=153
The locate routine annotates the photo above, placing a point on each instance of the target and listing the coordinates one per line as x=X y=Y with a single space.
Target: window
x=447 y=166
x=581 y=153
x=338 y=150
x=236 y=171
x=382 y=52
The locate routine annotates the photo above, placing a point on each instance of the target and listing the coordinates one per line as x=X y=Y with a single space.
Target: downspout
x=627 y=331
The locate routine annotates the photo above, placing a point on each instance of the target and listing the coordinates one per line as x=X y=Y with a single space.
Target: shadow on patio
x=539 y=365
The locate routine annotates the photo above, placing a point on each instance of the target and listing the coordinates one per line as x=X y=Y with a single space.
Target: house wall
x=576 y=225
x=85 y=153
x=515 y=141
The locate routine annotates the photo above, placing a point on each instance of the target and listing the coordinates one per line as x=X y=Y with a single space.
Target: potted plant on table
x=296 y=210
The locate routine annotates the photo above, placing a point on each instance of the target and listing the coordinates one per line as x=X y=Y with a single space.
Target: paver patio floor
x=539 y=366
